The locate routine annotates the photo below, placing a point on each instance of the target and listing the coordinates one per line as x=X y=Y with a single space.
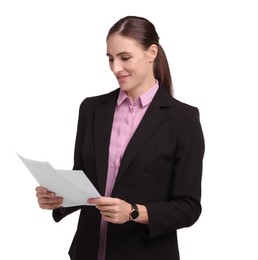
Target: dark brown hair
x=144 y=32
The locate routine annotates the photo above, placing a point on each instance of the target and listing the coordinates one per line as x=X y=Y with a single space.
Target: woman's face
x=131 y=64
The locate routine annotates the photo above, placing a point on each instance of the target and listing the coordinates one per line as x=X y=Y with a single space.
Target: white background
x=53 y=55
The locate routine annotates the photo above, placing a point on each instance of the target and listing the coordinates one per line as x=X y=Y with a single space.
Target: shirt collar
x=143 y=99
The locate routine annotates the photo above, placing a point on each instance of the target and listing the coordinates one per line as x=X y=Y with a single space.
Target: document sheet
x=73 y=186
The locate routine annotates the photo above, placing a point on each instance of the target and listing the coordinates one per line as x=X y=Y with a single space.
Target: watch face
x=134 y=214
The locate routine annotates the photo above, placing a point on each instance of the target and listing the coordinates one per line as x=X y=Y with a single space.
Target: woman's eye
x=125 y=58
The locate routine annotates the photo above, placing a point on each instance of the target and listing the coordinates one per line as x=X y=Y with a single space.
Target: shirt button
x=131 y=108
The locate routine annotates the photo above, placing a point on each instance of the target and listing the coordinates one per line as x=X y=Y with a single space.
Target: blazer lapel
x=102 y=130
x=151 y=121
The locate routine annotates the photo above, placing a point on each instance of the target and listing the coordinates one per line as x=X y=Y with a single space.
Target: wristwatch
x=134 y=214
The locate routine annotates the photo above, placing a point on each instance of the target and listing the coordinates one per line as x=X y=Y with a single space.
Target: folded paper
x=73 y=186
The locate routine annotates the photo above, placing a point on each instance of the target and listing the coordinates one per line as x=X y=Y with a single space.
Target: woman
x=143 y=151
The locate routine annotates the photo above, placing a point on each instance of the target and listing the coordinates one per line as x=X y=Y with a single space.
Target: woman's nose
x=116 y=67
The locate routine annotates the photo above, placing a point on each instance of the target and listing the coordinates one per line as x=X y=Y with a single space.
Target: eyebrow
x=120 y=54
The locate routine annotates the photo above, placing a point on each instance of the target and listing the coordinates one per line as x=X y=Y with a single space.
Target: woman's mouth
x=122 y=78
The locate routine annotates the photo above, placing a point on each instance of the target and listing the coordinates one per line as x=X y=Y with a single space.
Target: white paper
x=73 y=186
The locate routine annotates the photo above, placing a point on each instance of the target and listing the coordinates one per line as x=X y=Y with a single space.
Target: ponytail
x=162 y=71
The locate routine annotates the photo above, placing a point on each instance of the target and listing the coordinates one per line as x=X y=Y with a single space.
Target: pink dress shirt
x=127 y=117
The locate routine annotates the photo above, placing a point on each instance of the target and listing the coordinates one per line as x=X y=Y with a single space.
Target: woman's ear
x=152 y=52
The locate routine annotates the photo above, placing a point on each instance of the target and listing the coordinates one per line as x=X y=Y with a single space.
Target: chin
x=124 y=87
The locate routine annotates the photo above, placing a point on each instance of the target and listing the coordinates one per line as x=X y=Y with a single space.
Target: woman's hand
x=112 y=209
x=47 y=199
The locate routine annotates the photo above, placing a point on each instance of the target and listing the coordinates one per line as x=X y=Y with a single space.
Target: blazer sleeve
x=184 y=208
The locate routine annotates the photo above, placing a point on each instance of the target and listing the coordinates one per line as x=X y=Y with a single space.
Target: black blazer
x=161 y=169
